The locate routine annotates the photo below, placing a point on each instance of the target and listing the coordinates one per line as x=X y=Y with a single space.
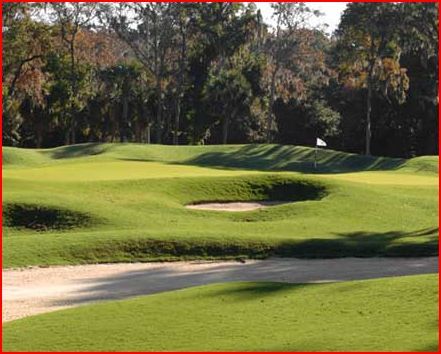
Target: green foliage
x=303 y=121
x=349 y=316
x=380 y=41
x=238 y=83
x=369 y=50
x=416 y=35
x=25 y=42
x=216 y=73
x=11 y=120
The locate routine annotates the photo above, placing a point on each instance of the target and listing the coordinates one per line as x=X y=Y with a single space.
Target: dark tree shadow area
x=364 y=244
x=257 y=157
x=273 y=275
x=353 y=244
x=290 y=158
x=303 y=269
x=79 y=150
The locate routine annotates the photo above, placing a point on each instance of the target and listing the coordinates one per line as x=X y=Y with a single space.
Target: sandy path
x=234 y=206
x=37 y=290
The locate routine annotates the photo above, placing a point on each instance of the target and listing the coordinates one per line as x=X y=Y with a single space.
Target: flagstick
x=315 y=157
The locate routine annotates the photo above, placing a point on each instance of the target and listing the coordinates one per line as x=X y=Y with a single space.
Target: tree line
x=216 y=73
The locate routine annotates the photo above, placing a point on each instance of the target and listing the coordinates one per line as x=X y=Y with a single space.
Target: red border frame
x=439 y=144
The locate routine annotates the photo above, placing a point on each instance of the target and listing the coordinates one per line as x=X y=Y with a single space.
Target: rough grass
x=390 y=314
x=135 y=195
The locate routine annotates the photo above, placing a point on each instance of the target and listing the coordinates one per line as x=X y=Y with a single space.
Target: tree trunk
x=114 y=123
x=182 y=62
x=270 y=108
x=368 y=116
x=145 y=127
x=67 y=131
x=159 y=112
x=39 y=137
x=72 y=130
x=72 y=109
x=167 y=127
x=18 y=72
x=138 y=132
x=125 y=112
x=67 y=137
x=177 y=118
x=148 y=140
x=225 y=124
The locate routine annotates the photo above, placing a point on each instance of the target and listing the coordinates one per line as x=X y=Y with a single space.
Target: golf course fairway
x=389 y=314
x=111 y=203
x=97 y=203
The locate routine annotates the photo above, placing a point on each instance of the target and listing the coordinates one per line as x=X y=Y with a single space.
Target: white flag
x=320 y=142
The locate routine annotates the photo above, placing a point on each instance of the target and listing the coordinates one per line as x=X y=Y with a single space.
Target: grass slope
x=390 y=314
x=254 y=157
x=125 y=202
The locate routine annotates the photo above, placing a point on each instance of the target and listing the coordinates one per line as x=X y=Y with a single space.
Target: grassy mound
x=422 y=164
x=264 y=188
x=352 y=316
x=42 y=218
x=255 y=157
x=139 y=193
x=15 y=157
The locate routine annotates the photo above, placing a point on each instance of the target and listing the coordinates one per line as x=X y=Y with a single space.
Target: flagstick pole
x=315 y=157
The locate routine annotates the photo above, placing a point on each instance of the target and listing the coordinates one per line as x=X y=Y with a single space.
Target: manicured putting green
x=122 y=170
x=126 y=202
x=389 y=314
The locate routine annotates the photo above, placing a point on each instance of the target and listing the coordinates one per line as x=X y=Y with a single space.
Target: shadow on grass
x=80 y=150
x=364 y=244
x=43 y=218
x=418 y=243
x=259 y=290
x=286 y=158
x=258 y=157
x=323 y=268
x=274 y=275
x=307 y=347
x=428 y=349
x=294 y=158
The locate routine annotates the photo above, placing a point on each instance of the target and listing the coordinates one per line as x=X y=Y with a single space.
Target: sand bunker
x=235 y=206
x=32 y=291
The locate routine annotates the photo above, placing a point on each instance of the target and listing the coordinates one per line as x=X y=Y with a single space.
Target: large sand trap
x=234 y=206
x=28 y=292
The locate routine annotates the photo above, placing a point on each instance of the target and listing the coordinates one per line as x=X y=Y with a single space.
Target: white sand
x=234 y=206
x=36 y=290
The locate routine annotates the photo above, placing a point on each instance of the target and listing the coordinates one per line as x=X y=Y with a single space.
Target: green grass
x=389 y=314
x=255 y=157
x=125 y=202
